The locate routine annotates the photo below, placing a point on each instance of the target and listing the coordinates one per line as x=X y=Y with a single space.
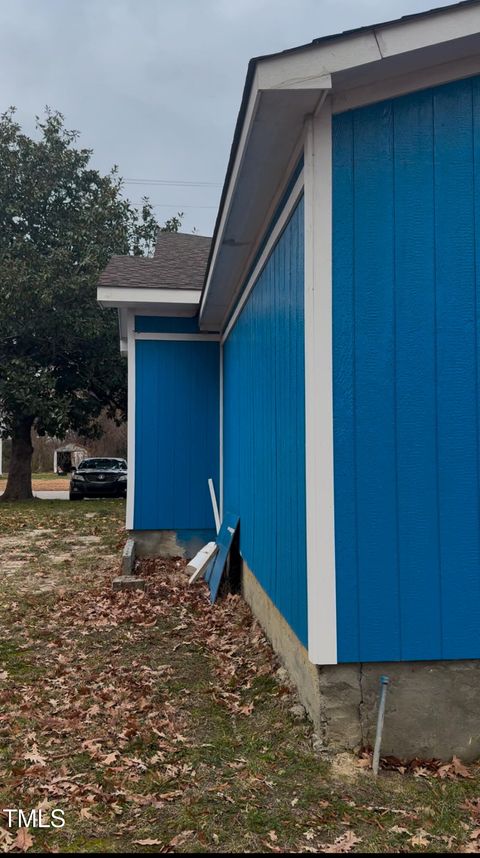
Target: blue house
x=319 y=359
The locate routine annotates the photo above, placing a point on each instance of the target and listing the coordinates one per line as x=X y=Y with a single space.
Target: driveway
x=46 y=488
x=51 y=495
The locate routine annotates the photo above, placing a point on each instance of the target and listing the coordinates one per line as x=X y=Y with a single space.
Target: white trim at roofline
x=113 y=296
x=131 y=421
x=246 y=131
x=359 y=67
x=322 y=614
x=275 y=202
x=292 y=201
x=346 y=54
x=401 y=84
x=198 y=338
x=154 y=311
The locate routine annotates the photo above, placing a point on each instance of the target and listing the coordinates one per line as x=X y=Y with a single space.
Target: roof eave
x=164 y=302
x=285 y=88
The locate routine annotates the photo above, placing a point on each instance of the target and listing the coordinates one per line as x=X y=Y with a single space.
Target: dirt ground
x=158 y=723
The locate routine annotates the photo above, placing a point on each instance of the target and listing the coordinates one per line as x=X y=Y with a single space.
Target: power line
x=178 y=206
x=181 y=183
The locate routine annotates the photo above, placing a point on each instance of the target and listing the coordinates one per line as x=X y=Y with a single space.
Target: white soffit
x=273 y=136
x=358 y=68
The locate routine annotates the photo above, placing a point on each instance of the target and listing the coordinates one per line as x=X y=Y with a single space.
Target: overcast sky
x=155 y=85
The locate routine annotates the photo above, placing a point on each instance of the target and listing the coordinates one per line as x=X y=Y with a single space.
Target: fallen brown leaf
x=344 y=843
x=23 y=840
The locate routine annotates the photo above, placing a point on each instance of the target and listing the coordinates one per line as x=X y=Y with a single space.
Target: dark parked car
x=99 y=478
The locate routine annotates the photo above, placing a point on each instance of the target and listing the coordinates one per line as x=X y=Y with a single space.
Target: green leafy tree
x=60 y=222
x=173 y=224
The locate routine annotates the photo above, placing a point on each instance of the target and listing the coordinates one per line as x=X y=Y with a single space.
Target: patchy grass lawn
x=157 y=723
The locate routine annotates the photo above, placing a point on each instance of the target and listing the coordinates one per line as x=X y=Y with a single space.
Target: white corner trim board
x=221 y=431
x=296 y=192
x=131 y=420
x=322 y=617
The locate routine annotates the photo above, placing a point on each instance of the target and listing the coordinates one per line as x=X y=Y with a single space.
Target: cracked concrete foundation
x=433 y=708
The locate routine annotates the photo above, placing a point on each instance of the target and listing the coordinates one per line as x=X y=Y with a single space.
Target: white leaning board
x=198 y=565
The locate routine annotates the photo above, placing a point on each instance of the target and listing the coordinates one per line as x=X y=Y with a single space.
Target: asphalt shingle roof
x=179 y=262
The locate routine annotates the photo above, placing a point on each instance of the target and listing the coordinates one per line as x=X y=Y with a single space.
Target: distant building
x=68 y=457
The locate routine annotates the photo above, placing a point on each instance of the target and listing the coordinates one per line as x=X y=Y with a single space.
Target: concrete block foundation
x=128 y=558
x=170 y=543
x=433 y=708
x=129 y=582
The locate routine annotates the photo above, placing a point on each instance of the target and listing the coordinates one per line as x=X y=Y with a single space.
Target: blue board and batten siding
x=166 y=325
x=264 y=427
x=176 y=434
x=406 y=221
x=406 y=364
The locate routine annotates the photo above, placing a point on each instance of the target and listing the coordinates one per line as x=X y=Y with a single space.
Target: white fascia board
x=280 y=75
x=455 y=22
x=354 y=50
x=401 y=84
x=112 y=296
x=317 y=62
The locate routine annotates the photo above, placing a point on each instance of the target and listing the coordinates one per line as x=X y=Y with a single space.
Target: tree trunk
x=19 y=483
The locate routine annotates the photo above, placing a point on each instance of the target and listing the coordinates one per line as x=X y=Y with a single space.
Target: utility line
x=173 y=183
x=178 y=206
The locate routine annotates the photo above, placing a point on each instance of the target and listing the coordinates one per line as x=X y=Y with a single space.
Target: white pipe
x=384 y=681
x=213 y=497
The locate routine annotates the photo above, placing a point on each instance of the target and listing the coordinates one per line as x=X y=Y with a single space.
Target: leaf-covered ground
x=157 y=723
